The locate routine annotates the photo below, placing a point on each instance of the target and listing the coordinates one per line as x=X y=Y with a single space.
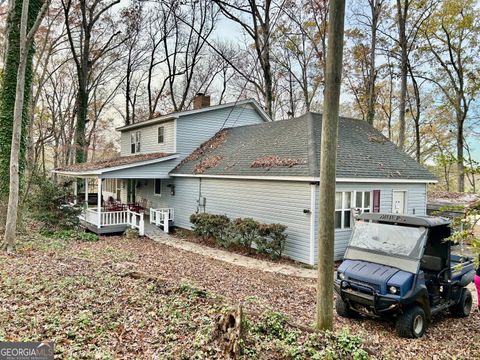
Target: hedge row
x=267 y=238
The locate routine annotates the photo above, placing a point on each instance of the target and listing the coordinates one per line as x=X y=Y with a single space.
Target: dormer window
x=161 y=134
x=135 y=142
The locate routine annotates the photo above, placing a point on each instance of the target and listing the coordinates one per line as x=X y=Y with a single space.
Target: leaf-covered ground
x=75 y=293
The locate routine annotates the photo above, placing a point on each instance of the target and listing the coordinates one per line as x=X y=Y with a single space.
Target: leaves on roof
x=377 y=138
x=269 y=161
x=117 y=161
x=207 y=163
x=218 y=139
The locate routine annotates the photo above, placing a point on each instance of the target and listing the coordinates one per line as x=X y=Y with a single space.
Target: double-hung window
x=363 y=201
x=135 y=138
x=161 y=135
x=343 y=210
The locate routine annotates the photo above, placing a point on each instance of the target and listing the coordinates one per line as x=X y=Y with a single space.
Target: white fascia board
x=387 y=181
x=309 y=179
x=97 y=173
x=247 y=177
x=148 y=122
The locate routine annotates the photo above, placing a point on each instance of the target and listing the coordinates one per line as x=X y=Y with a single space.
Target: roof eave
x=98 y=172
x=307 y=178
x=174 y=116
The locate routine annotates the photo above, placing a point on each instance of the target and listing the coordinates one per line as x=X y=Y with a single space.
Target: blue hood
x=375 y=275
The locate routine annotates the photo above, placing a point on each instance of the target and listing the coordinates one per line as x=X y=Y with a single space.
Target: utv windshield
x=390 y=240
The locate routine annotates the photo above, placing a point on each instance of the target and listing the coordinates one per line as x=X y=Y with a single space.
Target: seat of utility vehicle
x=431 y=263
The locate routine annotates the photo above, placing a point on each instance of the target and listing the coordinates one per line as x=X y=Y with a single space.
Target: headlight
x=341 y=276
x=394 y=290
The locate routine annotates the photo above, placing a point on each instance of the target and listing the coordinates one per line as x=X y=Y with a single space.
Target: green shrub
x=272 y=239
x=47 y=202
x=246 y=232
x=268 y=238
x=217 y=227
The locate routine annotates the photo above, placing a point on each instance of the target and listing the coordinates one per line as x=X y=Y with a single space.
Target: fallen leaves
x=122 y=298
x=269 y=161
x=207 y=163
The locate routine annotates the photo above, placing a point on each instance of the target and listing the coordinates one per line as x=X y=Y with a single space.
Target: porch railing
x=162 y=217
x=112 y=218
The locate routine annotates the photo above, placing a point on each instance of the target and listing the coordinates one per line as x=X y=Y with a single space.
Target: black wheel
x=343 y=309
x=412 y=323
x=464 y=305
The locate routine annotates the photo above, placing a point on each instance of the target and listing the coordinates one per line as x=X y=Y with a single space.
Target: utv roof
x=426 y=221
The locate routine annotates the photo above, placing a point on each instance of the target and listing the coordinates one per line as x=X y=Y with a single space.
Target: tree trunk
x=402 y=39
x=326 y=214
x=8 y=94
x=11 y=223
x=375 y=6
x=460 y=145
x=82 y=113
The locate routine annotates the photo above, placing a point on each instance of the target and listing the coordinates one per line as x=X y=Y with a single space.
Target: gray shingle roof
x=292 y=148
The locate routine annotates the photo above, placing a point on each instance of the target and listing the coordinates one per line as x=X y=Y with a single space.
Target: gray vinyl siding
x=416 y=204
x=195 y=129
x=265 y=201
x=149 y=139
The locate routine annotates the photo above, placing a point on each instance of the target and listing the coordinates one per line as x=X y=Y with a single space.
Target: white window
x=158 y=187
x=111 y=185
x=363 y=201
x=161 y=135
x=135 y=138
x=343 y=210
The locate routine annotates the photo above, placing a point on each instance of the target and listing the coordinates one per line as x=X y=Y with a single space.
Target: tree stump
x=229 y=332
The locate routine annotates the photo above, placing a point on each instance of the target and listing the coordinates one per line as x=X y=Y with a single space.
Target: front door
x=399 y=202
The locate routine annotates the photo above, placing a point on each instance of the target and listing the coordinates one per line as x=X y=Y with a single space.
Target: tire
x=412 y=323
x=343 y=309
x=464 y=305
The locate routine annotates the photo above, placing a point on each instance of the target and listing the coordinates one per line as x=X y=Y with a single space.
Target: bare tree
x=255 y=18
x=89 y=39
x=452 y=35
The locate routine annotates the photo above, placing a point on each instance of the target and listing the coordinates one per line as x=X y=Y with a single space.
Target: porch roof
x=98 y=168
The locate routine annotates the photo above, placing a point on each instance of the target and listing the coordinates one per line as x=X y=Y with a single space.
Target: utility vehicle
x=402 y=267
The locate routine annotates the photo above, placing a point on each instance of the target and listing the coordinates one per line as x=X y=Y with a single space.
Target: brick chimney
x=201 y=101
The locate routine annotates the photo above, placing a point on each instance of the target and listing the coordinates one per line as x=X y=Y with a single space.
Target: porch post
x=75 y=191
x=86 y=193
x=99 y=201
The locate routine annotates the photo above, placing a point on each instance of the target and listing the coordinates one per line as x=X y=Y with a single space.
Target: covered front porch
x=115 y=197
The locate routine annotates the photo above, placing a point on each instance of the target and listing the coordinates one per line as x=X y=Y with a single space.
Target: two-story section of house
x=149 y=150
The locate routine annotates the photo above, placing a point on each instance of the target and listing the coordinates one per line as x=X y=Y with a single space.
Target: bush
x=217 y=227
x=47 y=202
x=272 y=239
x=246 y=232
x=268 y=238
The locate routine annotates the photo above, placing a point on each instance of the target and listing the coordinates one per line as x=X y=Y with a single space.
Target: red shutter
x=376 y=201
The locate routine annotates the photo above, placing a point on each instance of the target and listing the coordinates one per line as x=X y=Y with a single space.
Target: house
x=231 y=159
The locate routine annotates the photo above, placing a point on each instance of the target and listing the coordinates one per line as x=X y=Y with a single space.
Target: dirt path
x=229 y=257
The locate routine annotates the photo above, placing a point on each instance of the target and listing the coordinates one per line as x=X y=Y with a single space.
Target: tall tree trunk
x=8 y=91
x=18 y=124
x=402 y=10
x=376 y=8
x=460 y=146
x=326 y=214
x=82 y=113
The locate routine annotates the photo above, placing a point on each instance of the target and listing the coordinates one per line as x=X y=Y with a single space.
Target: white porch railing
x=162 y=217
x=112 y=218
